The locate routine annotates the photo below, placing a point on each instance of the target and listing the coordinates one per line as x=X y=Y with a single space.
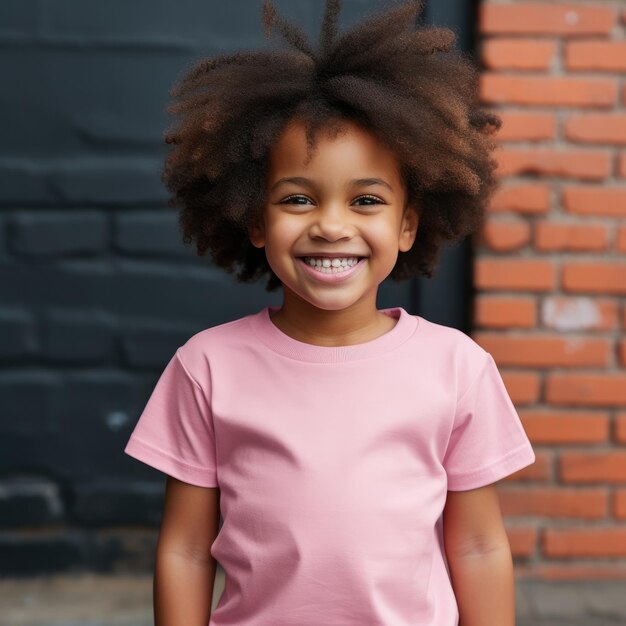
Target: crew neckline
x=284 y=344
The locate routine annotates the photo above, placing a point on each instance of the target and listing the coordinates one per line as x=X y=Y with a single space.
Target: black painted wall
x=97 y=289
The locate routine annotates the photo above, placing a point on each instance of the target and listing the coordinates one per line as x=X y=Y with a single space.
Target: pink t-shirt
x=333 y=464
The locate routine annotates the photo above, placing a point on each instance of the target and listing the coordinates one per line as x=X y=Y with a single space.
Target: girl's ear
x=257 y=235
x=408 y=230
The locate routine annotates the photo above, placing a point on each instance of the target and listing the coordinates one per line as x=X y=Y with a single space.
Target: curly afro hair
x=398 y=79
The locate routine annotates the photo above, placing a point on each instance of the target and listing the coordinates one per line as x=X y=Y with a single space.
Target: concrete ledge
x=125 y=600
x=593 y=603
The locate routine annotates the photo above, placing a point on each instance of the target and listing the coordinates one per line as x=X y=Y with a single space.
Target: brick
x=543 y=18
x=619 y=504
x=129 y=181
x=594 y=277
x=23 y=185
x=596 y=128
x=19 y=330
x=130 y=26
x=547 y=502
x=621 y=352
x=588 y=389
x=150 y=345
x=620 y=239
x=30 y=501
x=583 y=164
x=620 y=428
x=20 y=19
x=73 y=551
x=565 y=427
x=99 y=284
x=515 y=274
x=26 y=403
x=539 y=471
x=522 y=540
x=45 y=552
x=578 y=313
x=520 y=54
x=39 y=233
x=504 y=311
x=524 y=126
x=3 y=237
x=584 y=542
x=102 y=502
x=593 y=466
x=596 y=55
x=500 y=235
x=497 y=88
x=122 y=549
x=551 y=236
x=522 y=387
x=72 y=335
x=48 y=415
x=621 y=165
x=78 y=182
x=571 y=572
x=148 y=232
x=515 y=477
x=530 y=199
x=526 y=350
x=595 y=200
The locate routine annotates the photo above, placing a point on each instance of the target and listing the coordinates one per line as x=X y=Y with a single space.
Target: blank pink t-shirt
x=333 y=464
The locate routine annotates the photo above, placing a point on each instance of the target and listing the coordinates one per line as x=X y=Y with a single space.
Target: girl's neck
x=350 y=326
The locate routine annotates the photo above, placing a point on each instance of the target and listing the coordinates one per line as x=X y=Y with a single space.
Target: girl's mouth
x=331 y=270
x=331 y=265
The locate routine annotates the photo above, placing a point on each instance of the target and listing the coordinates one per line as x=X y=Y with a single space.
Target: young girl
x=351 y=452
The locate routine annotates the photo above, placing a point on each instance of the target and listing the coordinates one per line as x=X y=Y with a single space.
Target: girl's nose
x=332 y=222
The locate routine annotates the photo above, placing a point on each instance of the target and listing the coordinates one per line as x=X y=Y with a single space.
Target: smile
x=338 y=270
x=334 y=265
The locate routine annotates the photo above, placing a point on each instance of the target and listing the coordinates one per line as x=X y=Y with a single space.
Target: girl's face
x=326 y=209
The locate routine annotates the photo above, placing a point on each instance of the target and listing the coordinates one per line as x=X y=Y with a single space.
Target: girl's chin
x=316 y=302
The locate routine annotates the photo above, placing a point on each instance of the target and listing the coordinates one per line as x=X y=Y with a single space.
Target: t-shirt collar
x=280 y=342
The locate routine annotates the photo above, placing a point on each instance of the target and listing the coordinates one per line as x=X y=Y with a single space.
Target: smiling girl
x=333 y=235
x=352 y=453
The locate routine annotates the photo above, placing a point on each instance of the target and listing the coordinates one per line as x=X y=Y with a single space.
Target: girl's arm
x=479 y=557
x=185 y=570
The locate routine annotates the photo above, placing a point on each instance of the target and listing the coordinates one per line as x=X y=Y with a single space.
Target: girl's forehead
x=342 y=130
x=352 y=149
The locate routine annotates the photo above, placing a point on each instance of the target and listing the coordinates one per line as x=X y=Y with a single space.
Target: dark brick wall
x=97 y=288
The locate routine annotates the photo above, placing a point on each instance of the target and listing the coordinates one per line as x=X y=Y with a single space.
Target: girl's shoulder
x=216 y=340
x=450 y=340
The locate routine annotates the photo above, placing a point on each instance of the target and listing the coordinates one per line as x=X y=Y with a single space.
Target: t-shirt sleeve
x=488 y=441
x=175 y=433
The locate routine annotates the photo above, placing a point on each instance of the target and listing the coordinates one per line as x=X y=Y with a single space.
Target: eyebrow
x=305 y=182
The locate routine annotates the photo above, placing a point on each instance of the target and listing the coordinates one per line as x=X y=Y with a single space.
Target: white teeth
x=331 y=266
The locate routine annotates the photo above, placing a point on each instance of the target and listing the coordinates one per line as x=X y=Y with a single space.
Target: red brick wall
x=550 y=275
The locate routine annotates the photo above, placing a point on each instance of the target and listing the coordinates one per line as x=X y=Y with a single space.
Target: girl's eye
x=374 y=198
x=366 y=197
x=286 y=200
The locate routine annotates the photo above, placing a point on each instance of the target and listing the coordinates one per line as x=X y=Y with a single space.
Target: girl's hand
x=479 y=557
x=185 y=570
